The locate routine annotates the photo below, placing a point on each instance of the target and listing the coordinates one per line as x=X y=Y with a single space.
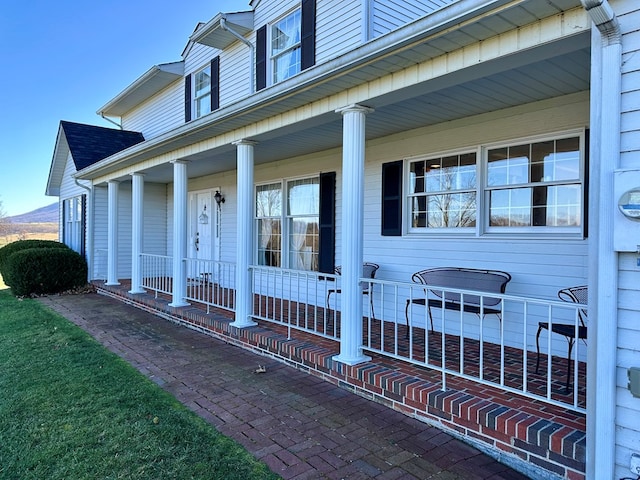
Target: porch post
x=244 y=242
x=112 y=232
x=179 y=233
x=137 y=231
x=353 y=153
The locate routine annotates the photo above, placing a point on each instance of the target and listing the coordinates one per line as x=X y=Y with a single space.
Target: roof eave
x=56 y=171
x=153 y=81
x=213 y=35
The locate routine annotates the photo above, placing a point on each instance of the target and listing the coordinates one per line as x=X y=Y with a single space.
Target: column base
x=248 y=323
x=134 y=292
x=179 y=304
x=351 y=360
x=112 y=284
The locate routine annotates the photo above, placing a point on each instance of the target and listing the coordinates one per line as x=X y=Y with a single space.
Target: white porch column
x=244 y=255
x=137 y=232
x=353 y=152
x=113 y=187
x=180 y=202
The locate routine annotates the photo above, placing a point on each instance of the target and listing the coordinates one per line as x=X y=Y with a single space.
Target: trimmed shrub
x=46 y=270
x=11 y=248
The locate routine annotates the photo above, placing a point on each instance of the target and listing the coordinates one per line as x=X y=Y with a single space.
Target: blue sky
x=63 y=60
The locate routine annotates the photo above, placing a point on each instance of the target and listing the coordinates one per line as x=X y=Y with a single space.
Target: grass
x=70 y=409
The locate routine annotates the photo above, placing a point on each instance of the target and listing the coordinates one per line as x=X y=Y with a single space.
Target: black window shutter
x=215 y=83
x=392 y=198
x=187 y=98
x=327 y=233
x=261 y=58
x=308 y=38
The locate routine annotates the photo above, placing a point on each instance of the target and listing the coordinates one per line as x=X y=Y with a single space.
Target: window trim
x=271 y=63
x=195 y=98
x=482 y=228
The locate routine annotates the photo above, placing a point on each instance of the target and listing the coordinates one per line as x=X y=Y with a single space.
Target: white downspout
x=89 y=213
x=227 y=28
x=603 y=279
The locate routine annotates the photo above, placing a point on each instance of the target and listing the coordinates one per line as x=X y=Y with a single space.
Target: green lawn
x=70 y=409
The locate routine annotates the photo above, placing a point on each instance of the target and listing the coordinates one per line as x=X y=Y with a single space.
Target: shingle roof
x=89 y=144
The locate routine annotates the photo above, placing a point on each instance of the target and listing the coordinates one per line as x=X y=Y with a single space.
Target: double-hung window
x=286 y=46
x=535 y=186
x=520 y=187
x=288 y=224
x=442 y=192
x=202 y=92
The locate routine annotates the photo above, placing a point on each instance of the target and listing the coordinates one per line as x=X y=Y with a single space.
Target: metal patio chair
x=579 y=295
x=368 y=271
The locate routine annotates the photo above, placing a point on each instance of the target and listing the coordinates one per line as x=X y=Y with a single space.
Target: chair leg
x=328 y=297
x=430 y=317
x=570 y=341
x=538 y=347
x=406 y=316
x=373 y=312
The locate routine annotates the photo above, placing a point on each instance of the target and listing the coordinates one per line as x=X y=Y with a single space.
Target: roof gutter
x=110 y=121
x=224 y=26
x=606 y=89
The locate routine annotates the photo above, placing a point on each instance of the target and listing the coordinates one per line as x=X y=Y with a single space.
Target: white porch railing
x=157 y=273
x=211 y=283
x=296 y=299
x=492 y=350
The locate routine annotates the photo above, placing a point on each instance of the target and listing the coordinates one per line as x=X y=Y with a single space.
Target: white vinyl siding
x=628 y=407
x=387 y=15
x=338 y=28
x=161 y=113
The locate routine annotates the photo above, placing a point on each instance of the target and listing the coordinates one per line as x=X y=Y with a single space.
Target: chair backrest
x=578 y=294
x=490 y=281
x=368 y=271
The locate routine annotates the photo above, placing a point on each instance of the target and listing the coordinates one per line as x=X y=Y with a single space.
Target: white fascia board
x=58 y=164
x=153 y=81
x=213 y=35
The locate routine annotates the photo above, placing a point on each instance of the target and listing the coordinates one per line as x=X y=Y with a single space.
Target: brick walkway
x=299 y=425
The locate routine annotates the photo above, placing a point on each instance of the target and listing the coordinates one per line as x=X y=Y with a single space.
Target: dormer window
x=202 y=92
x=286 y=47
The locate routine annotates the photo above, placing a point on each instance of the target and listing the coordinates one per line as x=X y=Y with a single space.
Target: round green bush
x=13 y=247
x=46 y=270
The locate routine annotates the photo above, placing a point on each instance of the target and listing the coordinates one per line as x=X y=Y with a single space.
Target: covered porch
x=476 y=381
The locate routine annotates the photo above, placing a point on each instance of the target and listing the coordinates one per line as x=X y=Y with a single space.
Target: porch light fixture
x=218 y=198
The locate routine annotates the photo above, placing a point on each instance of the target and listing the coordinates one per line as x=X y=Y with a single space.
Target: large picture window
x=289 y=237
x=535 y=185
x=442 y=192
x=517 y=187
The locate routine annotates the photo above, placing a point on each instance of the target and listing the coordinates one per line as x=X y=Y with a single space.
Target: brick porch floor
x=523 y=432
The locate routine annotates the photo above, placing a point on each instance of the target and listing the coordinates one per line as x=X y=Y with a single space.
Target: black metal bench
x=439 y=279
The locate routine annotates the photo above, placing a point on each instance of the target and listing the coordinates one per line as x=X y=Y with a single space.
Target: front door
x=203 y=244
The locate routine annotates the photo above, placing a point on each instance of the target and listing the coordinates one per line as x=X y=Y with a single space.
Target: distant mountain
x=48 y=214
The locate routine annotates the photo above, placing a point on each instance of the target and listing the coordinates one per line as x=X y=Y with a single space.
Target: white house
x=296 y=136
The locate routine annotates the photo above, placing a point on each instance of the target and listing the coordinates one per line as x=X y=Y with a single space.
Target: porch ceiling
x=547 y=72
